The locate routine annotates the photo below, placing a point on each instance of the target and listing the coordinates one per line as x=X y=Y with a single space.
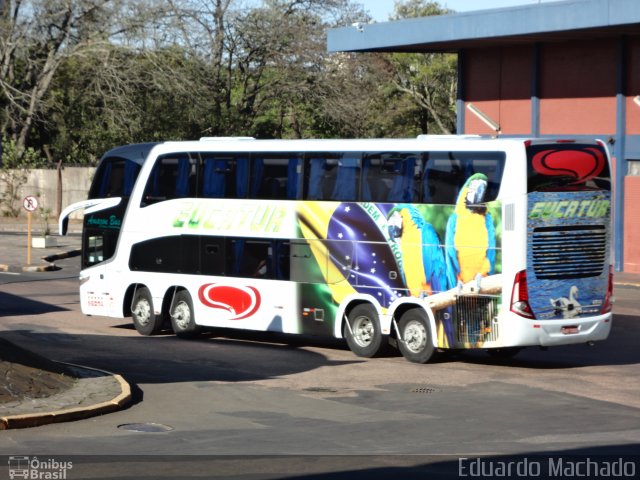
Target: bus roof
x=138 y=152
x=322 y=145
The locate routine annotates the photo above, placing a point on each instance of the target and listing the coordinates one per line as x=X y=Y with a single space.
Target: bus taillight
x=520 y=296
x=607 y=305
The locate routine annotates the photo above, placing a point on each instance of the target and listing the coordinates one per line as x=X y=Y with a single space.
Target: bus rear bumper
x=566 y=332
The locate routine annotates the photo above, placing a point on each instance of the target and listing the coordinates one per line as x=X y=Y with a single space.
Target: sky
x=381 y=9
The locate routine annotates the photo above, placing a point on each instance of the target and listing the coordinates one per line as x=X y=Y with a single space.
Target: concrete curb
x=61 y=255
x=39 y=268
x=65 y=415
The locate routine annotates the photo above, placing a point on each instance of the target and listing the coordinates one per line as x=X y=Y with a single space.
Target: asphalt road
x=247 y=405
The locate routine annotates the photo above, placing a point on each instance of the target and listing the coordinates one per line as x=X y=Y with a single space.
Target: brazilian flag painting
x=384 y=250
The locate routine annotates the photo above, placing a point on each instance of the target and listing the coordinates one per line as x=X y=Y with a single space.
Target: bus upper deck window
x=115 y=177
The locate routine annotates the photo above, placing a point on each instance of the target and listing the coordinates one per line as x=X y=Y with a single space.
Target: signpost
x=30 y=204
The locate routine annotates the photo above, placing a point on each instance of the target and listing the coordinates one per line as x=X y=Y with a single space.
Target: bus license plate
x=570 y=330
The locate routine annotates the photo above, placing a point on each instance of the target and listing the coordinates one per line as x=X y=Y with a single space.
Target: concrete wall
x=44 y=183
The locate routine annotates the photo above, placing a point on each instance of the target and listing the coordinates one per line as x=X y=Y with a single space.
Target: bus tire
x=144 y=319
x=415 y=340
x=183 y=321
x=363 y=332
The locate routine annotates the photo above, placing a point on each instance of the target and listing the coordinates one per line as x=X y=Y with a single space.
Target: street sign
x=30 y=203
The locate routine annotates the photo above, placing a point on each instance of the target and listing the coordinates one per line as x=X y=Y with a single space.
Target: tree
x=36 y=38
x=269 y=73
x=429 y=79
x=82 y=76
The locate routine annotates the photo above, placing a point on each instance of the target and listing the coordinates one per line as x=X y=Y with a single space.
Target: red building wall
x=578 y=88
x=633 y=86
x=498 y=83
x=631 y=218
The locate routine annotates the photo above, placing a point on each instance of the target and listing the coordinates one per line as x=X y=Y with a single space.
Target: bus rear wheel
x=183 y=320
x=142 y=313
x=415 y=341
x=362 y=331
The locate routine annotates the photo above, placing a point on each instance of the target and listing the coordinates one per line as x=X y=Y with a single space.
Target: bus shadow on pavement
x=621 y=348
x=167 y=359
x=17 y=305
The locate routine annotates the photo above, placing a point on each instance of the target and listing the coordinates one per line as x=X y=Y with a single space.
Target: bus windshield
x=114 y=177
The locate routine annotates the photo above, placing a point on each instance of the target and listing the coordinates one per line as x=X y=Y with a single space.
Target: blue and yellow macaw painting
x=423 y=265
x=471 y=235
x=394 y=250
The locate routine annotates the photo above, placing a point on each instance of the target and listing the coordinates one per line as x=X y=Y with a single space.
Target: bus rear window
x=558 y=167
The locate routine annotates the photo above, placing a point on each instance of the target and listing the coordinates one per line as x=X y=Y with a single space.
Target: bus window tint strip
x=383 y=177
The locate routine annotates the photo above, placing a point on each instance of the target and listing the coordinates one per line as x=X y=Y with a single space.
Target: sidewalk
x=94 y=392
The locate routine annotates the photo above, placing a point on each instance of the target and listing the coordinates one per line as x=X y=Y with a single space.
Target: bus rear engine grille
x=561 y=253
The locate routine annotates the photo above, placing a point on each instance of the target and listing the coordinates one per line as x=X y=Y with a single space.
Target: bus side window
x=446 y=173
x=315 y=179
x=345 y=186
x=334 y=179
x=389 y=178
x=258 y=258
x=248 y=257
x=213 y=256
x=172 y=177
x=275 y=178
x=225 y=176
x=444 y=176
x=281 y=259
x=114 y=178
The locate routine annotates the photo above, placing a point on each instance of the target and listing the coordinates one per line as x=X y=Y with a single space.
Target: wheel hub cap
x=415 y=337
x=182 y=315
x=363 y=331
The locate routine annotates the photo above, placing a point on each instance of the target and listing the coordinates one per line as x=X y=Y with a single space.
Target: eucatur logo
x=240 y=302
x=583 y=165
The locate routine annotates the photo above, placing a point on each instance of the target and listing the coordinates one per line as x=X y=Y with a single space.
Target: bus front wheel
x=362 y=331
x=144 y=318
x=183 y=319
x=415 y=341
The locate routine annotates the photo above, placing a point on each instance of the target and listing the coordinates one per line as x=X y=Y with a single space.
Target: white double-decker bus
x=426 y=244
